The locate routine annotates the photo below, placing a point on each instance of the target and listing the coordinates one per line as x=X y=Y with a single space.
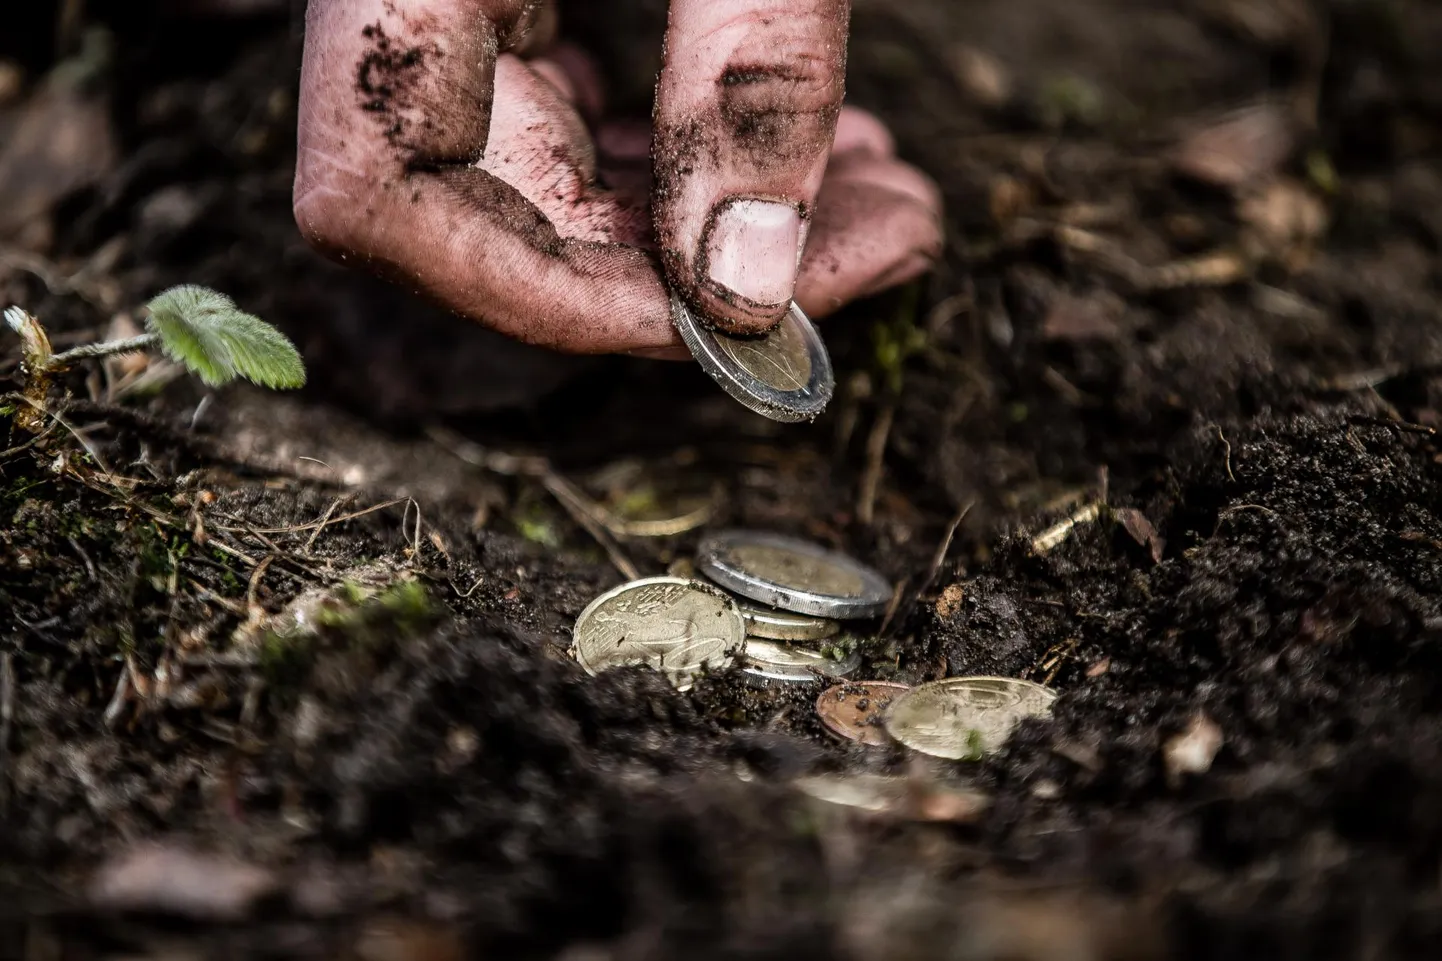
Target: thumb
x=746 y=111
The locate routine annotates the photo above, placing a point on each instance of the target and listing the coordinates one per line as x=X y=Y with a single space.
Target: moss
x=538 y=528
x=352 y=617
x=897 y=338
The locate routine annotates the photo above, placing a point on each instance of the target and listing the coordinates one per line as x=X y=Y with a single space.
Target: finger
x=860 y=132
x=877 y=224
x=429 y=160
x=745 y=116
x=582 y=76
x=888 y=172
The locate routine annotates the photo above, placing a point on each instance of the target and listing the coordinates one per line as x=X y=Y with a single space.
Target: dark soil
x=1237 y=359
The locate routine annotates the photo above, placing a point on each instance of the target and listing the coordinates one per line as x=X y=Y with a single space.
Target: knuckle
x=796 y=77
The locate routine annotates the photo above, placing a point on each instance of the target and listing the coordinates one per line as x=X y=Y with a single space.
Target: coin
x=774 y=661
x=792 y=574
x=784 y=374
x=853 y=710
x=869 y=792
x=674 y=625
x=899 y=796
x=964 y=717
x=775 y=625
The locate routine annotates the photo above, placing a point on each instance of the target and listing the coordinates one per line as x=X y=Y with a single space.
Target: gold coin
x=673 y=625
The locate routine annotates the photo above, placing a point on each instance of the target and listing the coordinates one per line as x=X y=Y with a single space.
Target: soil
x=1225 y=340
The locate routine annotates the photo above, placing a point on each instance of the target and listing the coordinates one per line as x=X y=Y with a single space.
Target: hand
x=448 y=145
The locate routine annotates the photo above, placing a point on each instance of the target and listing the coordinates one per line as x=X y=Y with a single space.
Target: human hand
x=452 y=147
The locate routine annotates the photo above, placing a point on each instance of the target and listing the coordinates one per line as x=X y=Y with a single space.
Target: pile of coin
x=773 y=605
x=768 y=601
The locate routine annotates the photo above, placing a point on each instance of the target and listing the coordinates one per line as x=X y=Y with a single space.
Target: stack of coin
x=792 y=595
x=771 y=602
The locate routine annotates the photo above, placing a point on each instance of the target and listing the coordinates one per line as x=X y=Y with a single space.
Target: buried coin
x=854 y=710
x=775 y=625
x=900 y=796
x=784 y=374
x=767 y=661
x=674 y=625
x=964 y=717
x=792 y=574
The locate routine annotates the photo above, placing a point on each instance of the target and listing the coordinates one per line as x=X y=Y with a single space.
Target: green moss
x=352 y=617
x=898 y=338
x=538 y=529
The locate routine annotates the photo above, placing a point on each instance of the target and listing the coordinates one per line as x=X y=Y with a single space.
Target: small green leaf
x=205 y=331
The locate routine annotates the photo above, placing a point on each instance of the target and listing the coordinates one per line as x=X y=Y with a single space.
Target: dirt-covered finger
x=746 y=114
x=867 y=236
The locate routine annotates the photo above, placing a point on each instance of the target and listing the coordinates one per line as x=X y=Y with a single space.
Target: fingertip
x=588 y=90
x=867 y=238
x=861 y=132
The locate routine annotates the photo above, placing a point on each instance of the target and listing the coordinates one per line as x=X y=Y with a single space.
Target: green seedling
x=199 y=328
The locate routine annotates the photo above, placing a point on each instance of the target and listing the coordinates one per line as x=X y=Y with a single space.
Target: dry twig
x=875 y=459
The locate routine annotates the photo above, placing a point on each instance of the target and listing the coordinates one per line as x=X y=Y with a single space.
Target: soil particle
x=386 y=80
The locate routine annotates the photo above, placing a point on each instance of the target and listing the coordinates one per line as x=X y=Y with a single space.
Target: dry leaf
x=1135 y=523
x=1239 y=148
x=1092 y=317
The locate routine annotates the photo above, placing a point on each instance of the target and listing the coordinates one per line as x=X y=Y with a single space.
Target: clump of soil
x=1216 y=330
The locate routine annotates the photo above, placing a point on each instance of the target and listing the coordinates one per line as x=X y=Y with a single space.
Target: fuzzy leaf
x=205 y=331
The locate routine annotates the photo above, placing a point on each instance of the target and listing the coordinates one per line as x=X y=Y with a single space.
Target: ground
x=1189 y=300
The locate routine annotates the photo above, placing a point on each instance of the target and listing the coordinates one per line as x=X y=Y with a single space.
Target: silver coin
x=869 y=792
x=773 y=661
x=777 y=625
x=964 y=717
x=674 y=625
x=784 y=374
x=793 y=575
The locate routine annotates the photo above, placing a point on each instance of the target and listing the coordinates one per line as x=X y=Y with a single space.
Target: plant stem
x=103 y=350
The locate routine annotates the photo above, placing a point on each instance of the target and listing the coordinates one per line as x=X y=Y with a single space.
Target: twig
x=937 y=559
x=1060 y=531
x=29 y=443
x=103 y=349
x=875 y=456
x=113 y=710
x=325 y=519
x=313 y=525
x=944 y=548
x=60 y=419
x=891 y=608
x=466 y=596
x=89 y=564
x=1226 y=452
x=1397 y=425
x=252 y=589
x=576 y=504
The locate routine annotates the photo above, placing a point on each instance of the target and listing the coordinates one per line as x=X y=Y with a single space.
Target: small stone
x=1193 y=750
